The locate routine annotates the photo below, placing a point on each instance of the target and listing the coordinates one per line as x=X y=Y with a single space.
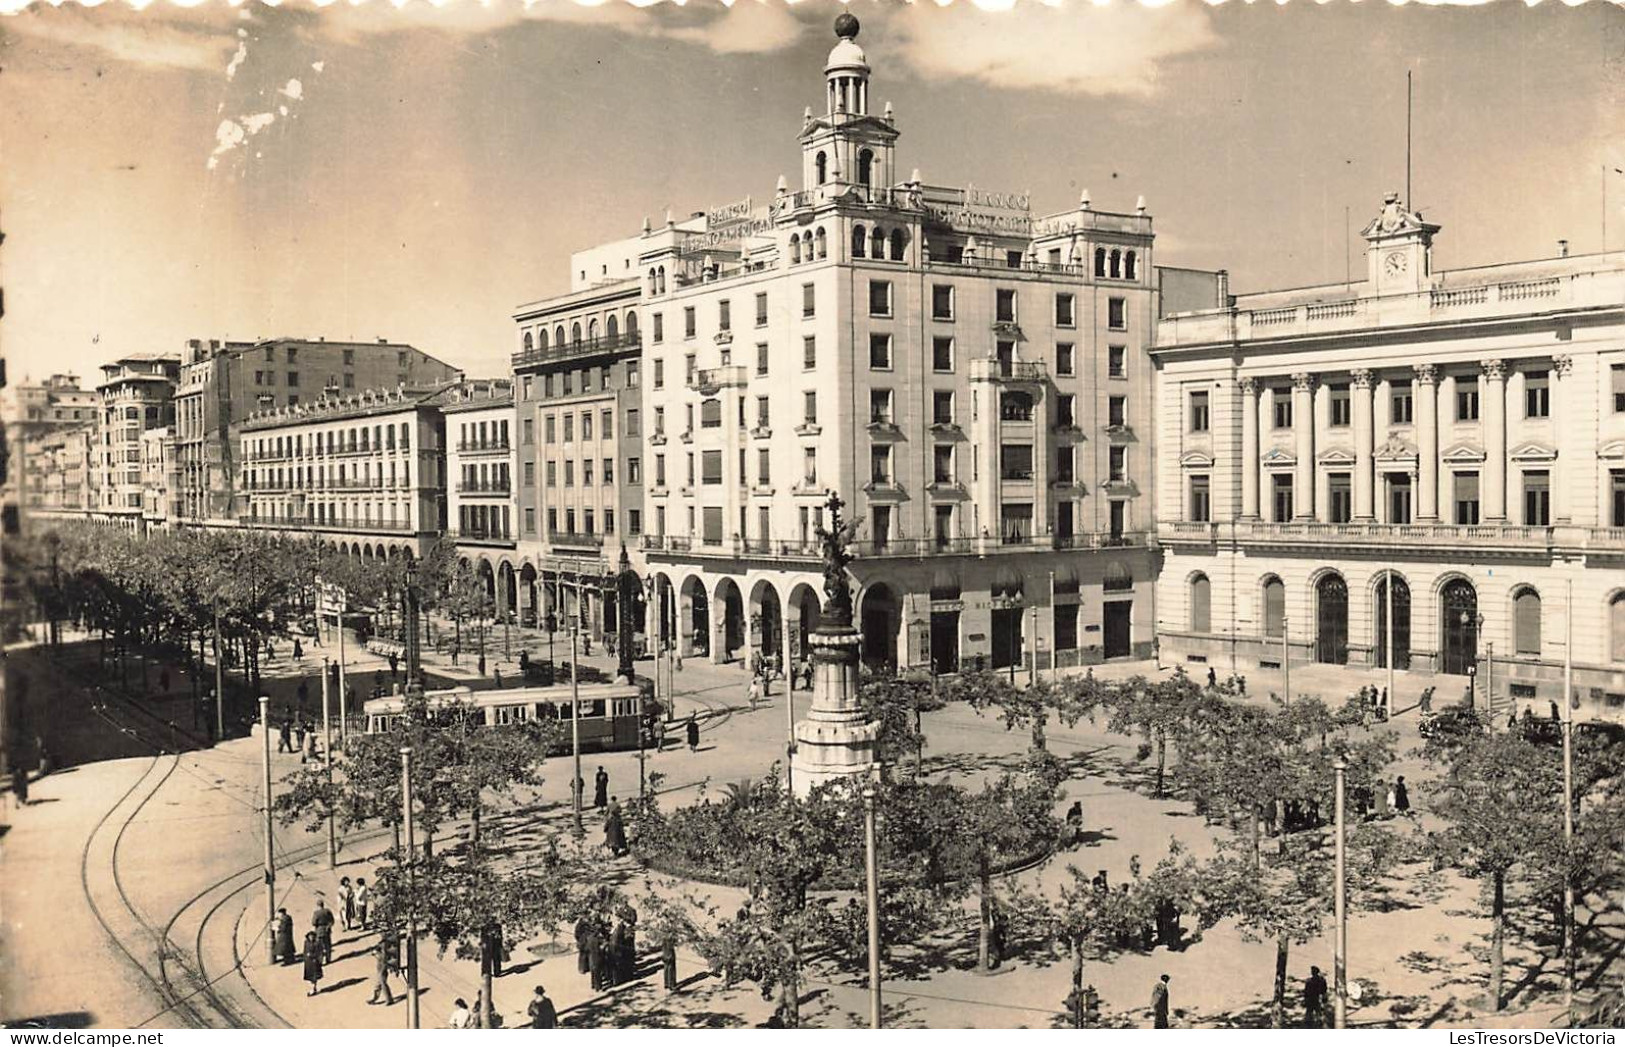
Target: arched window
x=823 y=243
x=575 y=334
x=1201 y=604
x=897 y=245
x=1117 y=265
x=821 y=167
x=612 y=327
x=660 y=278
x=858 y=241
x=1274 y=606
x=1100 y=261
x=1131 y=265
x=866 y=165
x=795 y=249
x=541 y=338
x=529 y=344
x=631 y=324
x=652 y=289
x=592 y=329
x=1616 y=628
x=877 y=244
x=558 y=335
x=1526 y=621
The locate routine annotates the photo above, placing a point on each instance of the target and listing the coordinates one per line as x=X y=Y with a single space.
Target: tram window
x=626 y=707
x=594 y=708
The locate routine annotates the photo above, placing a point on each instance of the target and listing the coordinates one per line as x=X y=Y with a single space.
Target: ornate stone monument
x=836 y=739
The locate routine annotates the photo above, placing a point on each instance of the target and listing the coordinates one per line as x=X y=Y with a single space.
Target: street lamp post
x=873 y=877
x=1286 y=658
x=575 y=720
x=1340 y=982
x=1568 y=801
x=270 y=862
x=412 y=1018
x=327 y=760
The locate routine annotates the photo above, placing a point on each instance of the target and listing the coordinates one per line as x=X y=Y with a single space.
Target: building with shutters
x=1458 y=435
x=970 y=377
x=137 y=394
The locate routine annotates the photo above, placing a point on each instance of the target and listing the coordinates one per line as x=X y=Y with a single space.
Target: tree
x=1027 y=707
x=1498 y=828
x=1157 y=710
x=895 y=703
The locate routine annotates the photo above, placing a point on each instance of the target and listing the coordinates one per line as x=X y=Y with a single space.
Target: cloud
x=139 y=41
x=1081 y=48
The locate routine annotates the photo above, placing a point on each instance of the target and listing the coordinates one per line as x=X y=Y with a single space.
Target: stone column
x=1249 y=448
x=1426 y=404
x=1303 y=432
x=1494 y=408
x=1360 y=392
x=1567 y=395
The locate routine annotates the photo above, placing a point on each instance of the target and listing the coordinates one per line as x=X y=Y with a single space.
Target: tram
x=610 y=712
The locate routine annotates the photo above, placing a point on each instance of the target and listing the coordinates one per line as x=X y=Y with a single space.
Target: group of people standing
x=317 y=953
x=608 y=950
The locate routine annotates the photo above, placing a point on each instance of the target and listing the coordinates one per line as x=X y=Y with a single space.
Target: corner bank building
x=973 y=380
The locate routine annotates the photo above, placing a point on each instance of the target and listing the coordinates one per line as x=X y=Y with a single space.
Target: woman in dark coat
x=313 y=962
x=583 y=941
x=1402 y=796
x=615 y=831
x=284 y=938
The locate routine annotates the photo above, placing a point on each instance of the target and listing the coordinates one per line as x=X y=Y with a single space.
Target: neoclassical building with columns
x=1458 y=435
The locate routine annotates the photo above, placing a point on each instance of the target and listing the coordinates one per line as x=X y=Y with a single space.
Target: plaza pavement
x=1424 y=952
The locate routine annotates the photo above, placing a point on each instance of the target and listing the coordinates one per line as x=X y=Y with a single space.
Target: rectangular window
x=762 y=413
x=552 y=521
x=809 y=408
x=1066 y=410
x=711 y=467
x=942 y=407
x=761 y=309
x=809 y=300
x=1281 y=496
x=761 y=359
x=1199 y=412
x=526 y=386
x=880 y=352
x=880 y=298
x=658 y=334
x=569 y=428
x=634 y=521
x=606 y=424
x=567 y=380
x=634 y=375
x=1341 y=497
x=530 y=474
x=942 y=302
x=1465 y=488
x=1066 y=466
x=725 y=315
x=660 y=470
x=710 y=414
x=689 y=324
x=1616 y=492
x=1342 y=408
x=1066 y=310
x=530 y=520
x=1201 y=510
x=547 y=386
x=586 y=425
x=764 y=466
x=1616 y=375
x=1116 y=411
x=880 y=464
x=552 y=474
x=1012 y=259
x=1016 y=462
x=1005 y=305
x=809 y=353
x=293 y=378
x=1065 y=358
x=880 y=406
x=634 y=470
x=569 y=473
x=1537 y=498
x=1401 y=406
x=1116 y=361
x=1117 y=314
x=632 y=422
x=942 y=353
x=1117 y=465
x=1537 y=394
x=1281 y=404
x=942 y=464
x=1016 y=523
x=809 y=467
x=586 y=472
x=1466 y=399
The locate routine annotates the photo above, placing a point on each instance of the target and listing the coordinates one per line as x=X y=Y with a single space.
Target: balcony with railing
x=482 y=536
x=1485 y=537
x=994 y=370
x=577 y=350
x=576 y=539
x=710 y=379
x=475 y=446
x=484 y=487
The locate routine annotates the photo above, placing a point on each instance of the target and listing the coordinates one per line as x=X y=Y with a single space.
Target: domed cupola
x=847 y=70
x=847 y=148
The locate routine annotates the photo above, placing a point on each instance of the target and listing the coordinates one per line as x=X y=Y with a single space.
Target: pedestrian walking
x=524 y=665
x=362 y=897
x=461 y=1016
x=310 y=743
x=1382 y=798
x=1159 y=1003
x=385 y=962
x=284 y=742
x=1314 y=1000
x=600 y=789
x=299 y=735
x=621 y=963
x=668 y=963
x=595 y=957
x=583 y=933
x=543 y=1015
x=1402 y=796
x=321 y=921
x=347 y=903
x=298 y=651
x=394 y=663
x=313 y=962
x=692 y=731
x=282 y=949
x=492 y=951
x=615 y=830
x=753 y=693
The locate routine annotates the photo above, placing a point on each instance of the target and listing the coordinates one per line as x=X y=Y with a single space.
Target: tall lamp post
x=1340 y=978
x=1568 y=800
x=872 y=875
x=270 y=842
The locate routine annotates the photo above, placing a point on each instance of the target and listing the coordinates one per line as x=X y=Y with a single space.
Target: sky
x=415 y=172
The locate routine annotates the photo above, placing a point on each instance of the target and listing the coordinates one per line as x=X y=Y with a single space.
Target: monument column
x=1494 y=409
x=1360 y=391
x=1249 y=448
x=1303 y=431
x=1426 y=405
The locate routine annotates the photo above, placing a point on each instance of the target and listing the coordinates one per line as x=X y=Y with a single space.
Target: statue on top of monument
x=834 y=541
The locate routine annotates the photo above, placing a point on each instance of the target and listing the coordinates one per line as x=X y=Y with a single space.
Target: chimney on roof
x=383 y=341
x=1562 y=249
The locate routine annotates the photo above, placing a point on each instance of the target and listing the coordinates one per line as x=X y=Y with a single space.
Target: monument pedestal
x=836 y=740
